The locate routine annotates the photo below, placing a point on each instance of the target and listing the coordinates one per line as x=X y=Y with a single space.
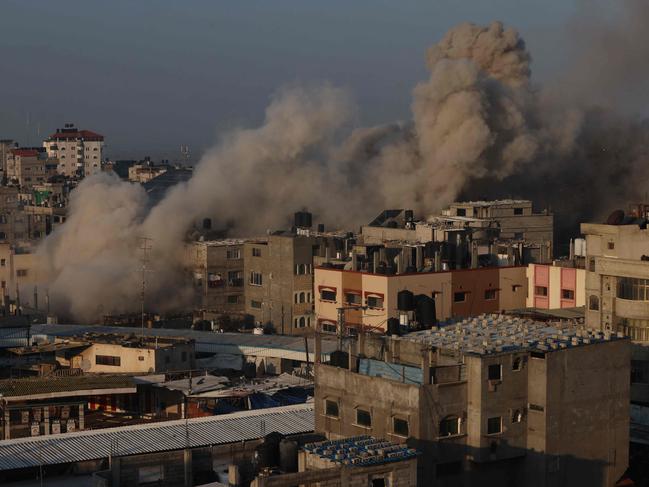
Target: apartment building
x=79 y=152
x=560 y=285
x=617 y=287
x=27 y=167
x=370 y=299
x=493 y=400
x=278 y=276
x=218 y=275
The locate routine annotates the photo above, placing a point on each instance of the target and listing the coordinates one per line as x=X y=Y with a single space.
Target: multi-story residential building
x=146 y=171
x=27 y=167
x=218 y=275
x=560 y=285
x=370 y=299
x=278 y=277
x=617 y=287
x=516 y=220
x=5 y=148
x=494 y=400
x=79 y=152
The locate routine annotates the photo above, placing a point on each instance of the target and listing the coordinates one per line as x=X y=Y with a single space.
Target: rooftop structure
x=494 y=334
x=360 y=451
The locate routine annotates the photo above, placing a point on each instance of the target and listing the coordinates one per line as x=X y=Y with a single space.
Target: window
x=255 y=278
x=329 y=327
x=233 y=254
x=459 y=297
x=353 y=298
x=140 y=358
x=494 y=425
x=539 y=355
x=591 y=265
x=327 y=295
x=611 y=245
x=302 y=269
x=331 y=408
x=300 y=322
x=519 y=235
x=363 y=418
x=235 y=278
x=449 y=426
x=593 y=303
x=494 y=372
x=536 y=407
x=633 y=289
x=517 y=416
x=302 y=297
x=541 y=291
x=400 y=427
x=255 y=304
x=490 y=294
x=518 y=211
x=21 y=272
x=517 y=363
x=567 y=294
x=233 y=299
x=461 y=212
x=3 y=262
x=108 y=360
x=374 y=302
x=256 y=252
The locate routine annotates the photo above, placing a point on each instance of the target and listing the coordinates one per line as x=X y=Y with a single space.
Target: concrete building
x=555 y=286
x=79 y=152
x=516 y=220
x=146 y=171
x=27 y=167
x=278 y=277
x=5 y=147
x=217 y=268
x=617 y=284
x=360 y=461
x=456 y=293
x=493 y=400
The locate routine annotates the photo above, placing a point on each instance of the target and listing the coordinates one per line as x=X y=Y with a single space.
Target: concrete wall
x=136 y=360
x=555 y=279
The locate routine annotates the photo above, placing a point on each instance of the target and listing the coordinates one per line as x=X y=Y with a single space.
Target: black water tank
x=207 y=223
x=340 y=359
x=405 y=300
x=267 y=452
x=321 y=227
x=288 y=455
x=425 y=313
x=303 y=219
x=393 y=327
x=409 y=215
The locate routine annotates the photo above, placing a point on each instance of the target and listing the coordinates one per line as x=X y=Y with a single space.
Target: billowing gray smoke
x=478 y=128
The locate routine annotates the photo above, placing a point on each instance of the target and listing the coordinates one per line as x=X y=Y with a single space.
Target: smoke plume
x=479 y=128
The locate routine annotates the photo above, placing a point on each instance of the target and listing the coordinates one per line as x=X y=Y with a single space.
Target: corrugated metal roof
x=49 y=385
x=154 y=437
x=280 y=346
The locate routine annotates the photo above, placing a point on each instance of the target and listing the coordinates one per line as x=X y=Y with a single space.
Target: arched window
x=302 y=297
x=449 y=426
x=593 y=303
x=302 y=323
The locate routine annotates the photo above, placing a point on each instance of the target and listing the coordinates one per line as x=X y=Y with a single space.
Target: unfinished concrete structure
x=217 y=274
x=492 y=400
x=359 y=461
x=456 y=293
x=27 y=167
x=279 y=282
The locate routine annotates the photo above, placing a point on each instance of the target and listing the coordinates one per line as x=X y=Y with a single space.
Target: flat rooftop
x=491 y=202
x=360 y=451
x=495 y=333
x=50 y=387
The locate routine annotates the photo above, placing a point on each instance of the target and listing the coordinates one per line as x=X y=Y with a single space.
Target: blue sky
x=151 y=75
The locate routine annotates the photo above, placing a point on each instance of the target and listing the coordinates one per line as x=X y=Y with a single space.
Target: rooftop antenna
x=145 y=246
x=186 y=152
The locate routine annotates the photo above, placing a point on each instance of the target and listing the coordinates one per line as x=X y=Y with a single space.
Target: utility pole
x=340 y=328
x=144 y=247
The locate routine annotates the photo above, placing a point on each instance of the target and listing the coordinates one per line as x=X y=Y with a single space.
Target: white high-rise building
x=79 y=152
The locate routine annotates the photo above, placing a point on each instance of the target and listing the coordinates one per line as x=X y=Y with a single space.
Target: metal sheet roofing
x=154 y=437
x=280 y=346
x=53 y=385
